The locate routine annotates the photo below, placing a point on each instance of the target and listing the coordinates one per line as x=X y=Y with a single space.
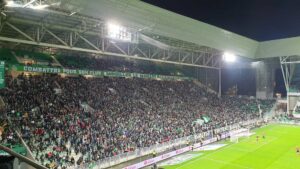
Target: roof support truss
x=80 y=39
x=288 y=64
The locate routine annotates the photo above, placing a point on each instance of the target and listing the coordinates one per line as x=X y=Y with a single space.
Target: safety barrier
x=115 y=160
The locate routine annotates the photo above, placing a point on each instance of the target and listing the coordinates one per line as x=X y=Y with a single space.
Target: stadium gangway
x=22 y=158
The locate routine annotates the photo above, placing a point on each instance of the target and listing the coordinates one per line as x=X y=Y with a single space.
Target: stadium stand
x=22 y=57
x=125 y=114
x=32 y=55
x=117 y=64
x=5 y=54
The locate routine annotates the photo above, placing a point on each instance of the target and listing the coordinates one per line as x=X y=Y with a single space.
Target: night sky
x=257 y=19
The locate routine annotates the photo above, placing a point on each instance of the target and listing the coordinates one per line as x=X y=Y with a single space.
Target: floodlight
x=229 y=57
x=113 y=30
x=11 y=4
x=118 y=32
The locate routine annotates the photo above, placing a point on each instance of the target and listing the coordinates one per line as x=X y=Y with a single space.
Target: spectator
x=92 y=119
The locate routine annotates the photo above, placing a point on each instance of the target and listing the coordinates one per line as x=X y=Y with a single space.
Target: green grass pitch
x=277 y=151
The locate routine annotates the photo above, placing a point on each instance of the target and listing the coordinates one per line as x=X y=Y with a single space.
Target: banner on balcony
x=58 y=70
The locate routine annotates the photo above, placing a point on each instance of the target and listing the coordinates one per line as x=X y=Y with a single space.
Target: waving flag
x=206 y=119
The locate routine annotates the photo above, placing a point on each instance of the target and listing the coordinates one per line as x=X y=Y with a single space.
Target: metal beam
x=1 y=22
x=29 y=3
x=284 y=58
x=87 y=41
x=56 y=27
x=56 y=37
x=209 y=59
x=144 y=54
x=18 y=30
x=283 y=74
x=22 y=158
x=200 y=56
x=92 y=32
x=287 y=73
x=155 y=53
x=186 y=56
x=290 y=62
x=220 y=83
x=98 y=52
x=68 y=37
x=121 y=50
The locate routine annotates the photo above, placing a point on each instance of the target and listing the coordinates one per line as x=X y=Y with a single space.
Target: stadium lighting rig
x=31 y=4
x=12 y=4
x=118 y=32
x=229 y=57
x=113 y=29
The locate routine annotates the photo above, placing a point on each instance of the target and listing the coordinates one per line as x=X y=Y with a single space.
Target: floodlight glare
x=229 y=57
x=113 y=30
x=11 y=4
x=118 y=32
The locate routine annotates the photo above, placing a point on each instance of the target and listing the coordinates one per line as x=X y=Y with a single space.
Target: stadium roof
x=166 y=23
x=256 y=19
x=160 y=27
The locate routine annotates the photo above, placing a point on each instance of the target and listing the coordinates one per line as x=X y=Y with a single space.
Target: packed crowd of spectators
x=74 y=120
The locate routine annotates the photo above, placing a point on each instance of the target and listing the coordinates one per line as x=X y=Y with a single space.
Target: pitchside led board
x=2 y=74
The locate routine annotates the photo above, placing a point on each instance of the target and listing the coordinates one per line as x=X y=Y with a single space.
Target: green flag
x=206 y=119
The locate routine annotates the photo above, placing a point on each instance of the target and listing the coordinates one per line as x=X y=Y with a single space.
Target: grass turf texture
x=277 y=151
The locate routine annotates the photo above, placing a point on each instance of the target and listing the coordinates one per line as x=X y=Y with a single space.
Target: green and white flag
x=206 y=119
x=198 y=121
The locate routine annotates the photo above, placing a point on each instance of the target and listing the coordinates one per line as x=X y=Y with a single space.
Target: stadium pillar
x=220 y=83
x=290 y=72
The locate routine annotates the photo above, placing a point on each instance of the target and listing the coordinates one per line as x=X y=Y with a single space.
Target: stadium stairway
x=56 y=61
x=57 y=85
x=272 y=112
x=87 y=107
x=16 y=162
x=22 y=56
x=7 y=56
x=15 y=55
x=198 y=83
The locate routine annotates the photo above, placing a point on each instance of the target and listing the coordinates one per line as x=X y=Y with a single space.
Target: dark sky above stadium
x=257 y=19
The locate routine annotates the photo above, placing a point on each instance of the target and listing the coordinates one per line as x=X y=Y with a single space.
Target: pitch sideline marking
x=225 y=148
x=208 y=154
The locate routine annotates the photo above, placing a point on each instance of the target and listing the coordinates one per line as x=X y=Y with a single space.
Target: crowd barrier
x=169 y=155
x=182 y=150
x=115 y=160
x=288 y=122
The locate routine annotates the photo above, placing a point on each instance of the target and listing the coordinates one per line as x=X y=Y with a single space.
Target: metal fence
x=118 y=159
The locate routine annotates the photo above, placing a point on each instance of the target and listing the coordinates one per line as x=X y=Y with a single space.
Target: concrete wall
x=265 y=78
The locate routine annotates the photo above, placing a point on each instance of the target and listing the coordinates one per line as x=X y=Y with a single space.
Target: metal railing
x=118 y=159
